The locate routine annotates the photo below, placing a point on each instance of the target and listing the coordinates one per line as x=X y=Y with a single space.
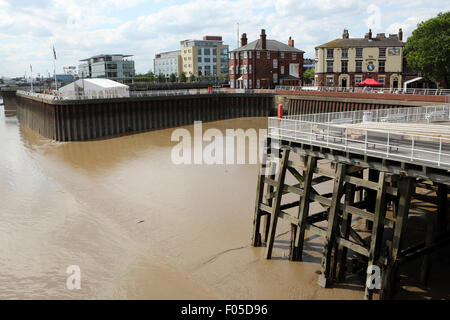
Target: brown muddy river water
x=137 y=225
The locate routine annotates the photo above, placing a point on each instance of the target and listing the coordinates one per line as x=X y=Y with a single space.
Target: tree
x=192 y=78
x=201 y=78
x=151 y=77
x=161 y=78
x=221 y=77
x=183 y=77
x=427 y=51
x=172 y=77
x=308 y=76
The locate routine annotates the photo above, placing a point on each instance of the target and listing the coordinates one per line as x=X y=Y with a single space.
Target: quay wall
x=9 y=98
x=101 y=118
x=322 y=104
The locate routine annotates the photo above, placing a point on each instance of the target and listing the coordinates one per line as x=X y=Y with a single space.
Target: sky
x=79 y=29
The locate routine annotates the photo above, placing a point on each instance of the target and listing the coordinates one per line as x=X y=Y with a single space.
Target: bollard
x=280 y=110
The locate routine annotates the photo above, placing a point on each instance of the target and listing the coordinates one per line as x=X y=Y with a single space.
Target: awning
x=369 y=82
x=241 y=78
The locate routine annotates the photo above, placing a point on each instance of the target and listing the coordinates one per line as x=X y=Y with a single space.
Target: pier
x=382 y=166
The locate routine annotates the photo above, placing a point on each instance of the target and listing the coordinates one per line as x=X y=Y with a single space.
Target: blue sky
x=82 y=28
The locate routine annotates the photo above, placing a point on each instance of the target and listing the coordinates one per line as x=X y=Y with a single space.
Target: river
x=138 y=225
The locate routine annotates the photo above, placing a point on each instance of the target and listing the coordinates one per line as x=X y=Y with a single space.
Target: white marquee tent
x=94 y=89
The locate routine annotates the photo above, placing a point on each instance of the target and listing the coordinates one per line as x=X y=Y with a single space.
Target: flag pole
x=54 y=68
x=31 y=70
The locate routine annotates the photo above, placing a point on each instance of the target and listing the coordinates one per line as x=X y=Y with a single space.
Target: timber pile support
x=383 y=198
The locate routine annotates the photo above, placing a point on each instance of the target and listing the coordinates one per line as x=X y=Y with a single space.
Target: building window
x=241 y=55
x=329 y=66
x=394 y=51
x=359 y=52
x=258 y=83
x=382 y=52
x=282 y=69
x=294 y=56
x=199 y=51
x=207 y=52
x=258 y=54
x=381 y=65
x=282 y=55
x=381 y=79
x=275 y=78
x=344 y=66
x=245 y=55
x=330 y=53
x=232 y=55
x=250 y=84
x=358 y=79
x=344 y=53
x=275 y=63
x=232 y=69
x=330 y=81
x=268 y=54
x=249 y=54
x=358 y=66
x=250 y=69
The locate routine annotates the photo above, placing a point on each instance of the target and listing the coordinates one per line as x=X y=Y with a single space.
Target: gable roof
x=271 y=45
x=362 y=42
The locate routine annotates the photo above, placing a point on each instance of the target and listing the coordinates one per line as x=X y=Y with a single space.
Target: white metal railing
x=368 y=90
x=431 y=150
x=407 y=114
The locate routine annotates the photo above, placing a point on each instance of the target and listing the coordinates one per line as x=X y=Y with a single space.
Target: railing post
x=387 y=151
x=328 y=134
x=365 y=144
x=440 y=152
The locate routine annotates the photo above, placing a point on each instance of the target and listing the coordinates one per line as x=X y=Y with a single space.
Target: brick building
x=348 y=61
x=265 y=63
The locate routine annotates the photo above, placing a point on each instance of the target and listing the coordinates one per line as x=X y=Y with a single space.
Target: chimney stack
x=244 y=40
x=263 y=39
x=345 y=35
x=291 y=42
x=368 y=35
x=400 y=34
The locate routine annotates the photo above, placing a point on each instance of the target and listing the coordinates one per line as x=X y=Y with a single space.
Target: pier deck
x=376 y=175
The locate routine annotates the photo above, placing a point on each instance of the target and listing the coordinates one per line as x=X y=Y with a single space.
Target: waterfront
x=139 y=226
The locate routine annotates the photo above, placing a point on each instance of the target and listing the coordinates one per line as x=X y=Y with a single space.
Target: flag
x=54 y=52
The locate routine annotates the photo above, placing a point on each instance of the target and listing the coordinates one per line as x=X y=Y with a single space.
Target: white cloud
x=80 y=28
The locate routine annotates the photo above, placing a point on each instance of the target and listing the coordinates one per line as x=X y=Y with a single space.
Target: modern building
x=348 y=61
x=207 y=57
x=117 y=67
x=167 y=63
x=265 y=63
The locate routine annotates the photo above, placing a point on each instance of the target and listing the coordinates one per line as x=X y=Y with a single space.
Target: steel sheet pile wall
x=308 y=105
x=94 y=119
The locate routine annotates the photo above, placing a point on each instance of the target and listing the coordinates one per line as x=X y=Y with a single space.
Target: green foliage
x=221 y=77
x=183 y=77
x=308 y=76
x=201 y=78
x=161 y=78
x=428 y=49
x=172 y=77
x=192 y=78
x=148 y=77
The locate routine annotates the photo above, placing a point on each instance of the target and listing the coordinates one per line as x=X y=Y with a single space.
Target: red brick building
x=263 y=64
